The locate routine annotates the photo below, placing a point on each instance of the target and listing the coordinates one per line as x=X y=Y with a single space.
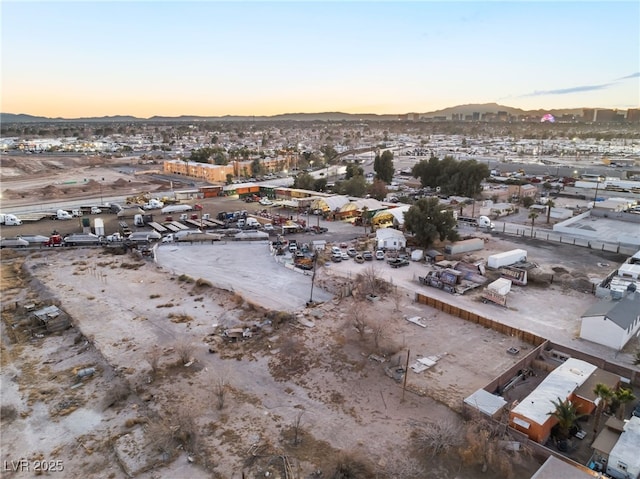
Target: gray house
x=612 y=322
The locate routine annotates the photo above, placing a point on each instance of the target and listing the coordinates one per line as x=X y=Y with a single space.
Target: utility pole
x=313 y=276
x=406 y=373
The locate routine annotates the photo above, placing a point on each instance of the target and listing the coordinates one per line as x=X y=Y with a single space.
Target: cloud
x=578 y=89
x=567 y=91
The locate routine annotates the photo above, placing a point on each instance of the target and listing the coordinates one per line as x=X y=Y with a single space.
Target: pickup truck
x=398 y=262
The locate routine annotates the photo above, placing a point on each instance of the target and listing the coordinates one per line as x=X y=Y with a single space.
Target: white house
x=624 y=460
x=612 y=322
x=390 y=239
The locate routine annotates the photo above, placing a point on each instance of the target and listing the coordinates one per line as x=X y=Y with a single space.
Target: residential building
x=532 y=415
x=613 y=322
x=624 y=458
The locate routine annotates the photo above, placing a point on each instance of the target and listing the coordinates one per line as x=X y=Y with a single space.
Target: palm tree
x=604 y=393
x=364 y=214
x=567 y=414
x=624 y=396
x=550 y=204
x=532 y=216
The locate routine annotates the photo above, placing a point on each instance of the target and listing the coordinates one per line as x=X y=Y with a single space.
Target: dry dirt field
x=303 y=395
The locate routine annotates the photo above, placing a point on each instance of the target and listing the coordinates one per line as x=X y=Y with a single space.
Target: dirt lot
x=302 y=395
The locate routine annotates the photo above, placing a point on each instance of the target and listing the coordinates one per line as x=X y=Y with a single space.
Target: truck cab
x=63 y=215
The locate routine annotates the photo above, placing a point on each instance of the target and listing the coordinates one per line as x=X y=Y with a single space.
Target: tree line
x=460 y=178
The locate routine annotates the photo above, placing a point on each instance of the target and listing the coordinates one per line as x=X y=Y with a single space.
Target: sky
x=212 y=58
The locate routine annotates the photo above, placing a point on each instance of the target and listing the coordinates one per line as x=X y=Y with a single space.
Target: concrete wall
x=567 y=226
x=618 y=216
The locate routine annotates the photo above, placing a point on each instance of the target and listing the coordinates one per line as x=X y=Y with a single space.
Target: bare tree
x=378 y=333
x=396 y=296
x=371 y=280
x=183 y=348
x=220 y=390
x=437 y=438
x=153 y=358
x=484 y=446
x=297 y=428
x=357 y=318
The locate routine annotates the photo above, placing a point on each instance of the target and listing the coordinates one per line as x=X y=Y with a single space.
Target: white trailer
x=98 y=226
x=506 y=258
x=464 y=246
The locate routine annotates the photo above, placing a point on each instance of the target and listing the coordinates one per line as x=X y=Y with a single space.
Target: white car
x=266 y=202
x=380 y=255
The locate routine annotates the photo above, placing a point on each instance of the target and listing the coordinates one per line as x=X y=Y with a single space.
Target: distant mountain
x=23 y=118
x=326 y=116
x=495 y=108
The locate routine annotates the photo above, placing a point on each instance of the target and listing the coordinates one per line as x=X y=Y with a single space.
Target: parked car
x=398 y=262
x=344 y=245
x=380 y=255
x=336 y=257
x=352 y=252
x=345 y=256
x=335 y=250
x=358 y=258
x=266 y=202
x=367 y=255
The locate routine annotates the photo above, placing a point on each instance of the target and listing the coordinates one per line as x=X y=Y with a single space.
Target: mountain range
x=327 y=116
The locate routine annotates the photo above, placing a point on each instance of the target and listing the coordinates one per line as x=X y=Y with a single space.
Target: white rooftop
x=485 y=402
x=626 y=449
x=560 y=383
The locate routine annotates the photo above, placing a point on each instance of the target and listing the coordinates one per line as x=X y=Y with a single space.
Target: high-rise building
x=633 y=115
x=588 y=114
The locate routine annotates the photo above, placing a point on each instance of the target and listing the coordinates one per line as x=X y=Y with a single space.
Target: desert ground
x=305 y=391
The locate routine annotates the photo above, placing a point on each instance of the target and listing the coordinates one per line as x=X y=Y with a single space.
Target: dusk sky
x=75 y=59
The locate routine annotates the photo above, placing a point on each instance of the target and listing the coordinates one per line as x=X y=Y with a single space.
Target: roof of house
x=622 y=312
x=600 y=376
x=388 y=233
x=560 y=383
x=626 y=449
x=553 y=468
x=485 y=402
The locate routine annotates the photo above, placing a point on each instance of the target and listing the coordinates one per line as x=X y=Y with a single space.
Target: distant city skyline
x=208 y=58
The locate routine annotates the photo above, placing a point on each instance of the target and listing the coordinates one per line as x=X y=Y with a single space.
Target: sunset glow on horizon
x=82 y=59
